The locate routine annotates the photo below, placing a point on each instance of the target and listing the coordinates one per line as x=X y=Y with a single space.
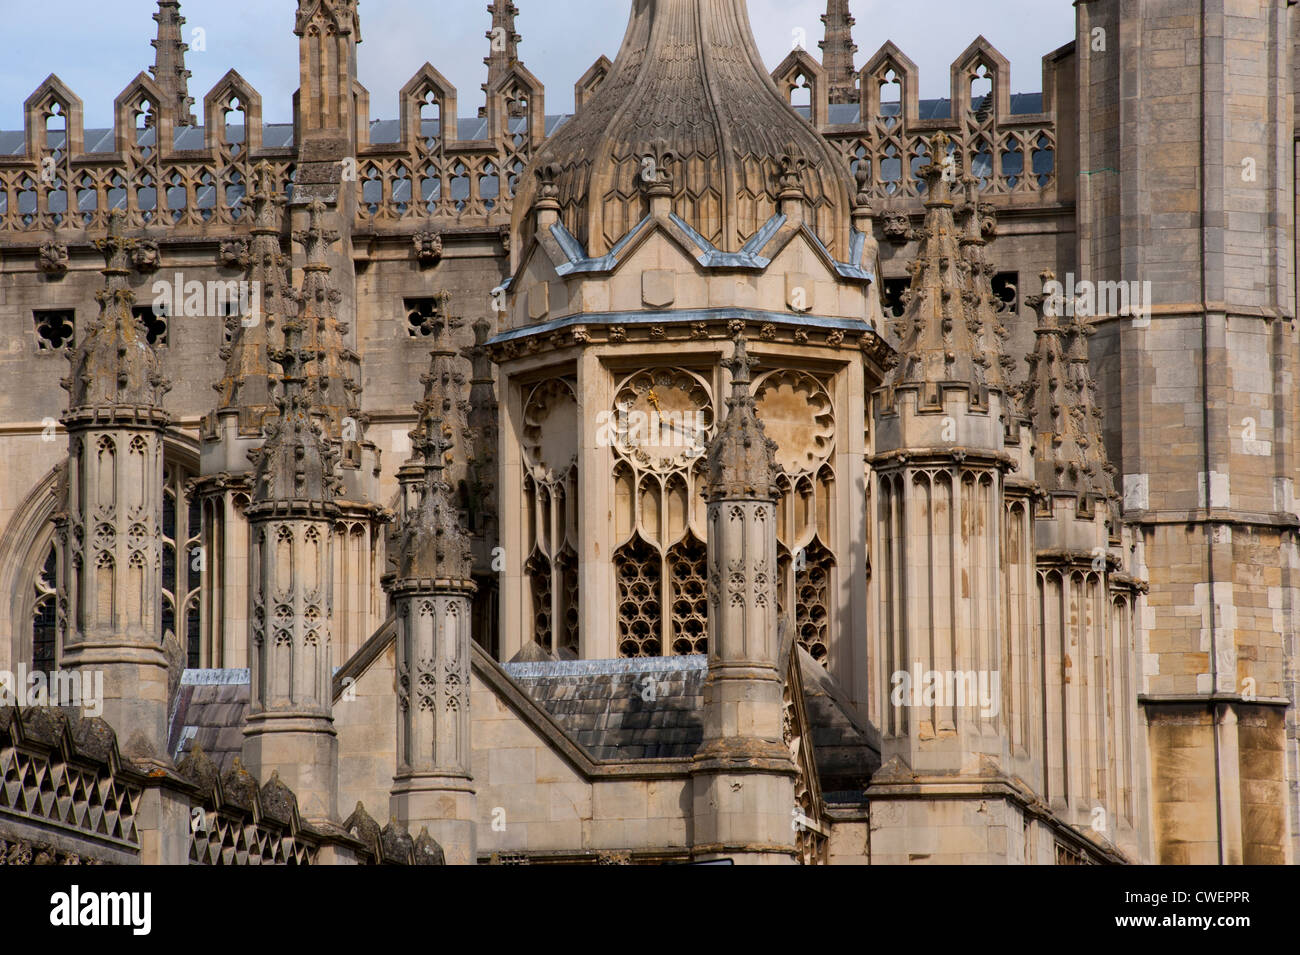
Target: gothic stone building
x=766 y=466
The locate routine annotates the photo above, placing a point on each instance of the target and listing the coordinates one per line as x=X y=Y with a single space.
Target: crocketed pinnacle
x=977 y=293
x=115 y=371
x=169 y=62
x=249 y=381
x=943 y=332
x=1088 y=414
x=503 y=40
x=444 y=405
x=481 y=452
x=295 y=468
x=434 y=544
x=741 y=458
x=838 y=50
x=334 y=380
x=1060 y=401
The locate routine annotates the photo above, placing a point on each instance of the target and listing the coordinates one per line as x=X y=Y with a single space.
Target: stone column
x=431 y=592
x=939 y=469
x=290 y=728
x=743 y=772
x=113 y=584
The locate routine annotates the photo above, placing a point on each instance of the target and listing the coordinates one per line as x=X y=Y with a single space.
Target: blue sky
x=98 y=47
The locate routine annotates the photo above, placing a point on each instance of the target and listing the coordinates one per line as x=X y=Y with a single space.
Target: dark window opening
x=55 y=329
x=155 y=322
x=422 y=316
x=1006 y=292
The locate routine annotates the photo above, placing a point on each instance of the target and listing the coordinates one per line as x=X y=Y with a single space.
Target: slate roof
x=646 y=708
x=625 y=709
x=846 y=748
x=384 y=131
x=210 y=709
x=603 y=706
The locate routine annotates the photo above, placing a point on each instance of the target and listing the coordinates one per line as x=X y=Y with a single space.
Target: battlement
x=431 y=168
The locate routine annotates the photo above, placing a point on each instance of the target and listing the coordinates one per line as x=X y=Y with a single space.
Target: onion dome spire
x=688 y=101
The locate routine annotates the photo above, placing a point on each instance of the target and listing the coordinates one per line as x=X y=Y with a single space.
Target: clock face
x=662 y=419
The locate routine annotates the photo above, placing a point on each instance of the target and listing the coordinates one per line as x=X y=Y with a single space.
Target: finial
x=940 y=171
x=657 y=169
x=169 y=61
x=741 y=458
x=838 y=49
x=740 y=364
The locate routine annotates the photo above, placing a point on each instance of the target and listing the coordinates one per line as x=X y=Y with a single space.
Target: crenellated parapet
x=1011 y=154
x=434 y=166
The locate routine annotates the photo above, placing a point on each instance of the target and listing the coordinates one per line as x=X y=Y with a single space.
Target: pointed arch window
x=658 y=428
x=45 y=617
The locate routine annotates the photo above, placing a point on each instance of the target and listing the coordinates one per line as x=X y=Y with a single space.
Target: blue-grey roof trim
x=577 y=255
x=711 y=258
x=685 y=315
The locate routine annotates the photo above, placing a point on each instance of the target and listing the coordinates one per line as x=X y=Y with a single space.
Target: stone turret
x=328 y=33
x=949 y=532
x=743 y=773
x=290 y=727
x=1087 y=596
x=431 y=594
x=110 y=598
x=838 y=49
x=169 y=62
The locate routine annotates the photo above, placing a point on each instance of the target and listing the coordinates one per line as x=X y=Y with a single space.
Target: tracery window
x=551 y=514
x=54 y=329
x=183 y=562
x=45 y=617
x=659 y=427
x=799 y=415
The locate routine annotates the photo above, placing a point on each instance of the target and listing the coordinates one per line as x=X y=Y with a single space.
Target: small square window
x=1006 y=292
x=422 y=316
x=55 y=329
x=155 y=322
